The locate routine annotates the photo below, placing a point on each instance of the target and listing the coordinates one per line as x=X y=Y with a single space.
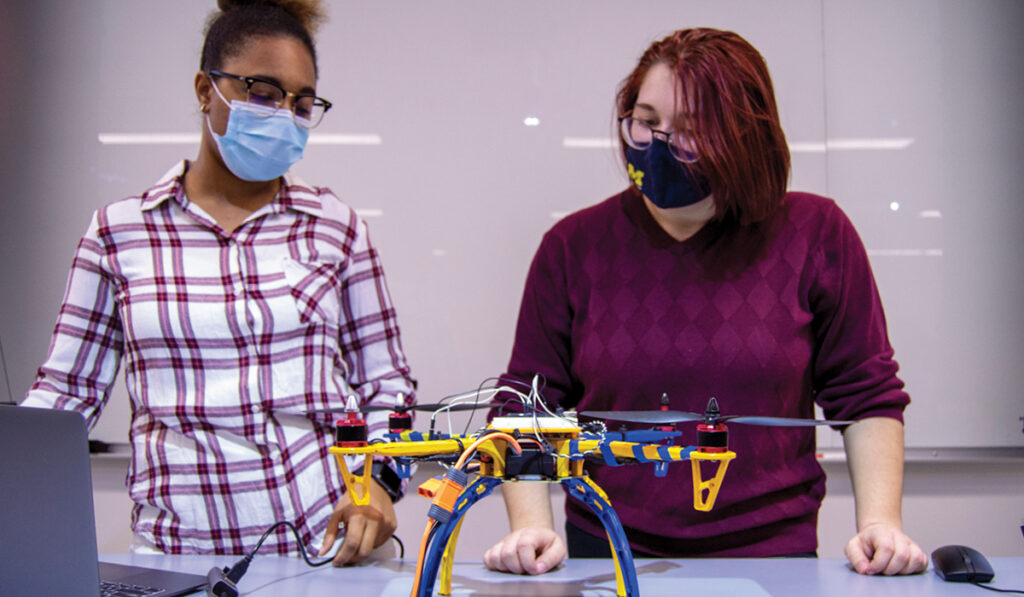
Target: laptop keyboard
x=116 y=589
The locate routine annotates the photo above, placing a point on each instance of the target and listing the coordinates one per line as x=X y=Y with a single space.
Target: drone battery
x=712 y=438
x=399 y=422
x=350 y=433
x=533 y=461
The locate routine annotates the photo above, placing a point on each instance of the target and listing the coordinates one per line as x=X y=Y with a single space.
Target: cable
x=401 y=547
x=222 y=582
x=428 y=534
x=486 y=437
x=1017 y=591
x=476 y=400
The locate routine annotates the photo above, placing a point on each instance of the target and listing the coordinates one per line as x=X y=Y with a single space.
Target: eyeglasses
x=307 y=108
x=639 y=135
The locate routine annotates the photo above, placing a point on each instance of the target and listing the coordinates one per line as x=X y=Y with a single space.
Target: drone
x=536 y=445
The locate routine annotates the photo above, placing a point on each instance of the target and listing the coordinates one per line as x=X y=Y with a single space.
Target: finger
x=492 y=559
x=510 y=557
x=488 y=559
x=915 y=559
x=368 y=542
x=551 y=556
x=353 y=537
x=331 y=535
x=386 y=527
x=900 y=556
x=526 y=552
x=389 y=524
x=883 y=554
x=919 y=561
x=858 y=558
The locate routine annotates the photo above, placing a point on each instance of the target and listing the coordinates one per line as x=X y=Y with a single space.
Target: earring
x=202 y=108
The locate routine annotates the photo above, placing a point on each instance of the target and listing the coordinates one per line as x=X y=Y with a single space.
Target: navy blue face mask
x=663 y=179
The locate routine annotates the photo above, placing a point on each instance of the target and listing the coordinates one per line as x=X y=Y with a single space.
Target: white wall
x=459 y=191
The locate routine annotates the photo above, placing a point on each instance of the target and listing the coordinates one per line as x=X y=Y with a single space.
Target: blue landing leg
x=580 y=488
x=586 y=491
x=474 y=492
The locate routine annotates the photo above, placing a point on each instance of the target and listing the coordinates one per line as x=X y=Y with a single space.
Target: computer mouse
x=961 y=564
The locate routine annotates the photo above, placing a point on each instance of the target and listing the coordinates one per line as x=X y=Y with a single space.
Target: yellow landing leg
x=447 y=560
x=358 y=487
x=712 y=485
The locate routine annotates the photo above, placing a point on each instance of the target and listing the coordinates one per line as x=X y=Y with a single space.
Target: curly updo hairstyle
x=238 y=21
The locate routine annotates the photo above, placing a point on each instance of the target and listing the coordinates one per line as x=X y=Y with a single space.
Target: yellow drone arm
x=712 y=485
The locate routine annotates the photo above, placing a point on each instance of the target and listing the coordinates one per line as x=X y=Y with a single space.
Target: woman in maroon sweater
x=706 y=278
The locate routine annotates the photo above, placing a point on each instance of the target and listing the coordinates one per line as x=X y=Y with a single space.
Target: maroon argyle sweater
x=768 y=319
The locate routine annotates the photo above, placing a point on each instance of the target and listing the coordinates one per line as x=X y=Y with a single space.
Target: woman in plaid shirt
x=239 y=298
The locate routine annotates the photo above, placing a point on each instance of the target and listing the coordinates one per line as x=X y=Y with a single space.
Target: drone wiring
x=471 y=449
x=428 y=534
x=446 y=496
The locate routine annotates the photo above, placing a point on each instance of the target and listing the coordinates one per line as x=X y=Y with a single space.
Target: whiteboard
x=906 y=113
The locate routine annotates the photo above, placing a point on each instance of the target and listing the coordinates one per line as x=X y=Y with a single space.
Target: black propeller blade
x=779 y=421
x=415 y=407
x=711 y=416
x=653 y=417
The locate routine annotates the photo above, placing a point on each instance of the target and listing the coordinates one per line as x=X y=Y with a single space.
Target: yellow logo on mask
x=637 y=176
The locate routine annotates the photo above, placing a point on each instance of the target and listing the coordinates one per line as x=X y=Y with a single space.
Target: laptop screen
x=48 y=544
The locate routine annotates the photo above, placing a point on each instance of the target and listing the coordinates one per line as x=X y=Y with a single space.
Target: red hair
x=735 y=121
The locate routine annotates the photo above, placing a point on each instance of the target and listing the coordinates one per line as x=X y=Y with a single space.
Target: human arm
x=376 y=371
x=542 y=345
x=533 y=546
x=87 y=342
x=874 y=453
x=856 y=379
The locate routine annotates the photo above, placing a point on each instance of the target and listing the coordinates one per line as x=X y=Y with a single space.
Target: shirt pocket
x=316 y=288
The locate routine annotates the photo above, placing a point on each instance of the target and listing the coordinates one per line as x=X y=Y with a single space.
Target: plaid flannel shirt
x=227 y=341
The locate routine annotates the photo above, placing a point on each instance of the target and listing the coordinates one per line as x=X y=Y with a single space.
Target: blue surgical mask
x=663 y=179
x=260 y=143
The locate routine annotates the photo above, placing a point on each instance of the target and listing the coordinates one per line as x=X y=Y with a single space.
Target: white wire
x=474 y=396
x=532 y=401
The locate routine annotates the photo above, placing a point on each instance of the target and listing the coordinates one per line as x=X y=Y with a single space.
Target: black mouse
x=961 y=564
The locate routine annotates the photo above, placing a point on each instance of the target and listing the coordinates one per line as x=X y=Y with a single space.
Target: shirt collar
x=294 y=194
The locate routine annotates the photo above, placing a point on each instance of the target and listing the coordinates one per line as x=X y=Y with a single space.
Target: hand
x=366 y=527
x=531 y=550
x=881 y=548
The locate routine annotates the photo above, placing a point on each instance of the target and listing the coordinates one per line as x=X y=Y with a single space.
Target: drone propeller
x=402 y=409
x=653 y=417
x=711 y=416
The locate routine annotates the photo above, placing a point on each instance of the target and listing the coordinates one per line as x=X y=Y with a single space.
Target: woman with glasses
x=705 y=278
x=240 y=299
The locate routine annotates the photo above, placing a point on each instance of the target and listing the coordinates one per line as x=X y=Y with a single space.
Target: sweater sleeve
x=87 y=343
x=854 y=371
x=542 y=343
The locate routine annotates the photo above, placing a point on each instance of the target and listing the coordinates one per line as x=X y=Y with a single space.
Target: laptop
x=47 y=526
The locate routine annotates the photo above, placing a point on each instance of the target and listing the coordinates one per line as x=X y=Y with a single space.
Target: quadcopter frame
x=522 y=448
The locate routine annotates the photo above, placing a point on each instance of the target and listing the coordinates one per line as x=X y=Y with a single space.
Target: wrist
x=878 y=522
x=386 y=478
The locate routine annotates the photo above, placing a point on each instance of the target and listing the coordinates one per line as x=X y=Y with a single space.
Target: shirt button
x=254 y=408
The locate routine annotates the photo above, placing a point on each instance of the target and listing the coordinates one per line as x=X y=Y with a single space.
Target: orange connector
x=429 y=487
x=446 y=496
